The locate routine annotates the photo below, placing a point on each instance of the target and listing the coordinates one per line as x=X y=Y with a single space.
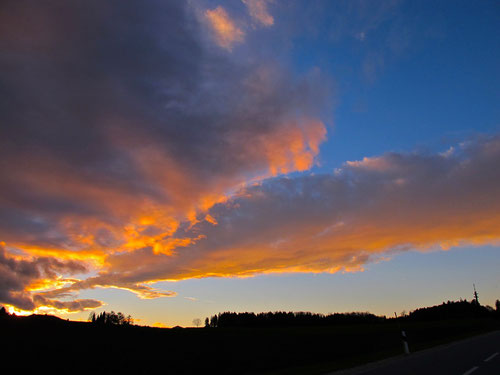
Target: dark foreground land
x=49 y=344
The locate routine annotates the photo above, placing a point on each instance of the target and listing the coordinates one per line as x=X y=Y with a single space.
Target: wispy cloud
x=259 y=13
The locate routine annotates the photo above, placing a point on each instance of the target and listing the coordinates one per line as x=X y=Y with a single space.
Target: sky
x=176 y=159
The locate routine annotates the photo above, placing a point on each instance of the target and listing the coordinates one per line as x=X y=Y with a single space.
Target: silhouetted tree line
x=282 y=318
x=447 y=310
x=110 y=319
x=455 y=310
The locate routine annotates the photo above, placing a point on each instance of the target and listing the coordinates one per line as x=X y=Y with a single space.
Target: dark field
x=49 y=344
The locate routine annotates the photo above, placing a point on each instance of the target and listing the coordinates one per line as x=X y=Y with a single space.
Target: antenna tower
x=476 y=296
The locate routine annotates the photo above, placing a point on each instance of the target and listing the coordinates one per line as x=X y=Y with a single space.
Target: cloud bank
x=364 y=211
x=133 y=151
x=340 y=221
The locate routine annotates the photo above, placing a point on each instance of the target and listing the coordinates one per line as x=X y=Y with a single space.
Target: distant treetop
x=110 y=318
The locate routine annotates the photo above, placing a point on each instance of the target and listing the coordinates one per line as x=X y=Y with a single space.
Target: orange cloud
x=47 y=284
x=339 y=222
x=226 y=33
x=294 y=148
x=210 y=219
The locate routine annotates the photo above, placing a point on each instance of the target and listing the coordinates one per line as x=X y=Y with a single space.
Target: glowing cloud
x=21 y=279
x=227 y=34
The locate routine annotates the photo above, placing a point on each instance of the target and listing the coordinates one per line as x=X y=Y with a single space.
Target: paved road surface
x=479 y=355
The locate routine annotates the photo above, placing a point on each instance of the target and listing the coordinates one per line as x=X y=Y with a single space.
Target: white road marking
x=491 y=357
x=471 y=370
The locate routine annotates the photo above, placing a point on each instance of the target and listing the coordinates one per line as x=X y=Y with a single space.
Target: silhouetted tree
x=111 y=319
x=213 y=321
x=207 y=322
x=497 y=305
x=197 y=322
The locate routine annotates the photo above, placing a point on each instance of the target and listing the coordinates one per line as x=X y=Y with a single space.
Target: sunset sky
x=176 y=159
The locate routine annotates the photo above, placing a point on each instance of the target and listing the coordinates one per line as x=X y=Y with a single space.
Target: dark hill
x=451 y=310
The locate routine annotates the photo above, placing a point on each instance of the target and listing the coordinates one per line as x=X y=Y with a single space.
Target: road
x=478 y=355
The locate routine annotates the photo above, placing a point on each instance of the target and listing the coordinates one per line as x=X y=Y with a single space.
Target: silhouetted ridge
x=452 y=310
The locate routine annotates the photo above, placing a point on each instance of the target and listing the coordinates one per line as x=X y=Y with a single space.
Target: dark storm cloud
x=71 y=69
